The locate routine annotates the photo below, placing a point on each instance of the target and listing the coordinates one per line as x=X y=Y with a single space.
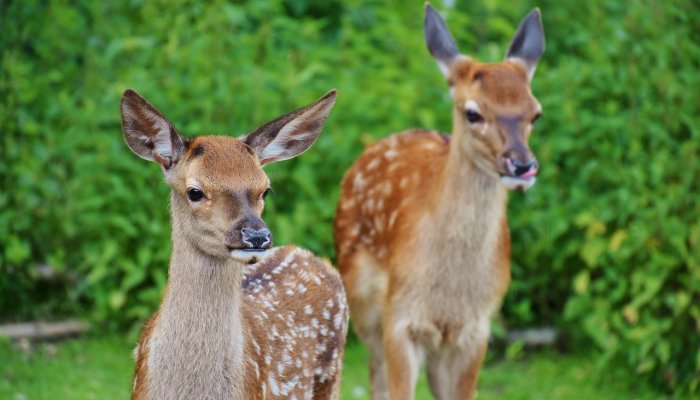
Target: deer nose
x=256 y=239
x=522 y=169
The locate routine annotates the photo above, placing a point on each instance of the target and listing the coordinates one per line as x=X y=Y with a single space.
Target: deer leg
x=438 y=376
x=377 y=366
x=377 y=371
x=464 y=386
x=402 y=362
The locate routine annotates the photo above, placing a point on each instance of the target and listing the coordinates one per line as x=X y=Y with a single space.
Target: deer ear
x=527 y=45
x=148 y=133
x=291 y=134
x=439 y=40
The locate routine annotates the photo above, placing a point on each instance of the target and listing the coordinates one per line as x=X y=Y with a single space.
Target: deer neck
x=199 y=327
x=198 y=282
x=469 y=200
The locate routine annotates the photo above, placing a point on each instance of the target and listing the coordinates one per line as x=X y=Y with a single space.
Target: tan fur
x=224 y=330
x=275 y=351
x=422 y=237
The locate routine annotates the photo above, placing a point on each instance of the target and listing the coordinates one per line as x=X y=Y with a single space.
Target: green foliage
x=102 y=367
x=606 y=246
x=614 y=219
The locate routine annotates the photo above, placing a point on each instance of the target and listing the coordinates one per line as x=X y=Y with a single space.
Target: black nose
x=521 y=168
x=256 y=239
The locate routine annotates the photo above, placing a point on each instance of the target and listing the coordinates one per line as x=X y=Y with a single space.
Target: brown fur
x=231 y=326
x=422 y=235
x=301 y=351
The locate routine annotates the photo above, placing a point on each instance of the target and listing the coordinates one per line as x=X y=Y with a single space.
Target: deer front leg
x=438 y=376
x=377 y=375
x=453 y=372
x=377 y=366
x=466 y=381
x=402 y=362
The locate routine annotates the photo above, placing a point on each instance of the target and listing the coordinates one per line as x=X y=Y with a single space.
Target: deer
x=239 y=319
x=421 y=232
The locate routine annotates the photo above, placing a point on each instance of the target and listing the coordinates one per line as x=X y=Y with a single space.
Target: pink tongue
x=529 y=174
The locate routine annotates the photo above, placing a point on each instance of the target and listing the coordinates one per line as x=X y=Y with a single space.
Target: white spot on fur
x=387 y=188
x=359 y=182
x=379 y=222
x=273 y=385
x=396 y=165
x=392 y=218
x=347 y=204
x=280 y=368
x=373 y=164
x=338 y=320
x=369 y=205
x=393 y=140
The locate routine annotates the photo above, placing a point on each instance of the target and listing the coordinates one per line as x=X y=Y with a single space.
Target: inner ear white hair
x=148 y=133
x=291 y=134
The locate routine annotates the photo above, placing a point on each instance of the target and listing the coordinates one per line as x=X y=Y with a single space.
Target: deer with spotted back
x=421 y=232
x=239 y=319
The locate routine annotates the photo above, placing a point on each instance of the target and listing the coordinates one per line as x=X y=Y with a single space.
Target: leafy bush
x=606 y=246
x=615 y=219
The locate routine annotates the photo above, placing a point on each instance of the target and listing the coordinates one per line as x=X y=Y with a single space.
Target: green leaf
x=17 y=250
x=117 y=299
x=581 y=282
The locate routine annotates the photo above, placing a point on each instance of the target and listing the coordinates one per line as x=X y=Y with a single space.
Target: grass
x=100 y=367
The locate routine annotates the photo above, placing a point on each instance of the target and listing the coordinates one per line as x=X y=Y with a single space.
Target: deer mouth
x=519 y=175
x=518 y=182
x=249 y=255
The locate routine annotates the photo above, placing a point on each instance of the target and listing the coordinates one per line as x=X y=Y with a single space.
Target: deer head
x=494 y=108
x=218 y=187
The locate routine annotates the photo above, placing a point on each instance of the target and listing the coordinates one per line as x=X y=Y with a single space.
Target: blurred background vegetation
x=606 y=247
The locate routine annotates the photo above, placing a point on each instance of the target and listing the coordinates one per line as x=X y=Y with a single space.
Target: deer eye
x=473 y=116
x=194 y=194
x=265 y=193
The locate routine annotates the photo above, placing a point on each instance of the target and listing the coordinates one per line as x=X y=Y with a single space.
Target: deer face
x=219 y=188
x=218 y=184
x=497 y=110
x=493 y=104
